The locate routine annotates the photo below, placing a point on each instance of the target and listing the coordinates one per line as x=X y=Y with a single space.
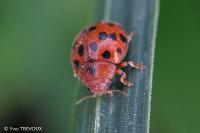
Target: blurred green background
x=37 y=87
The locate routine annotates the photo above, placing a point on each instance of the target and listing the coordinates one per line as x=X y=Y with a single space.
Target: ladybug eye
x=106 y=54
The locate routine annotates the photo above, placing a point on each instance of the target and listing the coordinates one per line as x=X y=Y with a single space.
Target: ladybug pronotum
x=98 y=53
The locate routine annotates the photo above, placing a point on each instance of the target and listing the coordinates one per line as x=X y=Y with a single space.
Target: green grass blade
x=125 y=114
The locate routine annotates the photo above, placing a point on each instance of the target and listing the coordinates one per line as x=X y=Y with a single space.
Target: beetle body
x=98 y=53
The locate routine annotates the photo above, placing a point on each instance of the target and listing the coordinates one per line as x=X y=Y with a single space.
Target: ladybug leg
x=85 y=98
x=130 y=36
x=123 y=77
x=132 y=64
x=110 y=92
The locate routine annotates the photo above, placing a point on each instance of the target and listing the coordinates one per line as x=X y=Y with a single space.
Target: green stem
x=125 y=114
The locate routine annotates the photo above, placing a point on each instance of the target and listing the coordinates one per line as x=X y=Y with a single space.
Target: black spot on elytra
x=106 y=54
x=123 y=38
x=91 y=69
x=119 y=50
x=113 y=36
x=109 y=84
x=81 y=50
x=93 y=46
x=103 y=35
x=76 y=63
x=110 y=24
x=92 y=28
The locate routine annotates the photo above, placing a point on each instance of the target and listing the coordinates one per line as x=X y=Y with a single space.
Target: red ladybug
x=98 y=52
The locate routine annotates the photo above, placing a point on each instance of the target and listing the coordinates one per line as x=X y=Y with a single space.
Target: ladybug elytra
x=98 y=53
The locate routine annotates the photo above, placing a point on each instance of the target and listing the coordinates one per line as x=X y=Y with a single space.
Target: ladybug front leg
x=132 y=64
x=123 y=77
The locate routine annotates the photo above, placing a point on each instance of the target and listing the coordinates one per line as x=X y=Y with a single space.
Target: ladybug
x=98 y=53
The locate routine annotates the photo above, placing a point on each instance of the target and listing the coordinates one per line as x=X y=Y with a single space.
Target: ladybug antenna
x=84 y=98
